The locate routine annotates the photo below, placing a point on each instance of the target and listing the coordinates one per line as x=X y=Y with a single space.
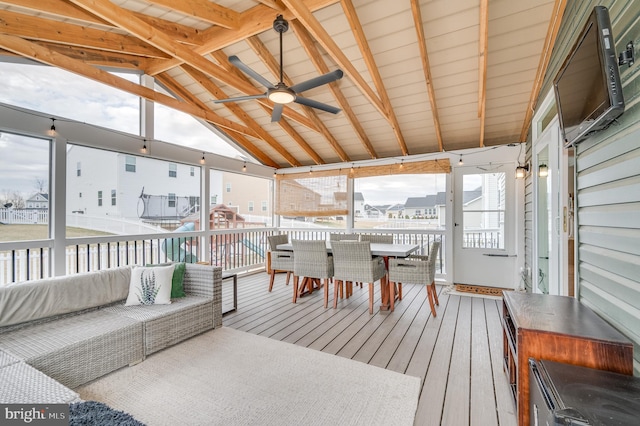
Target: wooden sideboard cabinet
x=556 y=328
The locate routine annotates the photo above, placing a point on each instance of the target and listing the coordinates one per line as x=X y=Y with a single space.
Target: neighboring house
x=250 y=195
x=39 y=200
x=340 y=202
x=297 y=200
x=105 y=183
x=358 y=204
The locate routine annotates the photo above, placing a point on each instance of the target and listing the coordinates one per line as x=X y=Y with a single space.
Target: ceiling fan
x=280 y=93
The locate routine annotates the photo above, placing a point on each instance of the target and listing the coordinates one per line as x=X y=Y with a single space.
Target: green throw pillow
x=177 y=290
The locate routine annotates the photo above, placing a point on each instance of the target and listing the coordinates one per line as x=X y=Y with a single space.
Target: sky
x=55 y=91
x=58 y=92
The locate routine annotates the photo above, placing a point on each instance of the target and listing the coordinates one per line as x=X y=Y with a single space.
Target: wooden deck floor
x=457 y=354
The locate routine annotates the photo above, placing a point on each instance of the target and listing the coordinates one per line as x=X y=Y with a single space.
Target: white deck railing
x=233 y=250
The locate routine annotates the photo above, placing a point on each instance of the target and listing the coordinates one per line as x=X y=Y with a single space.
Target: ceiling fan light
x=281 y=96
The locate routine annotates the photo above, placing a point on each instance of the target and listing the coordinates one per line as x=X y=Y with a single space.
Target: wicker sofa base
x=66 y=351
x=166 y=325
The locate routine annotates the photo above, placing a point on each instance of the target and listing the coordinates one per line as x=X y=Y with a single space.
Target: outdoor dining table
x=385 y=250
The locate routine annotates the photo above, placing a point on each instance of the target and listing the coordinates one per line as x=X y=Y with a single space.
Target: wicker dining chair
x=353 y=262
x=344 y=237
x=281 y=260
x=415 y=269
x=377 y=238
x=314 y=263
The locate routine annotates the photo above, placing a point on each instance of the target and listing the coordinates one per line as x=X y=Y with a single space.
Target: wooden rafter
x=99 y=58
x=314 y=55
x=545 y=57
x=34 y=28
x=47 y=56
x=482 y=66
x=274 y=67
x=222 y=59
x=361 y=39
x=179 y=90
x=426 y=66
x=303 y=13
x=137 y=27
x=204 y=10
x=273 y=4
x=252 y=22
x=212 y=88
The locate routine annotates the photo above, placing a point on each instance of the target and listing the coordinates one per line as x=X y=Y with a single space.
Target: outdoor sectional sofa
x=76 y=328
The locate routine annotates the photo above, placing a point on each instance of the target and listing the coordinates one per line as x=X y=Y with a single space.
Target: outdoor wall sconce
x=521 y=171
x=543 y=170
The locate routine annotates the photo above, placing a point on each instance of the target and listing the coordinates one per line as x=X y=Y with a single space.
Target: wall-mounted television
x=587 y=87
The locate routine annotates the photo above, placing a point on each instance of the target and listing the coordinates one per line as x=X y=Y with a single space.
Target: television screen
x=587 y=87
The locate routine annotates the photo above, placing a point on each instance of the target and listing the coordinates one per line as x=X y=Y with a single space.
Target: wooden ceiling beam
x=361 y=39
x=426 y=67
x=204 y=10
x=253 y=21
x=211 y=87
x=274 y=4
x=59 y=8
x=63 y=10
x=315 y=56
x=179 y=90
x=98 y=57
x=47 y=56
x=33 y=28
x=274 y=67
x=304 y=15
x=137 y=27
x=220 y=57
x=482 y=66
x=545 y=57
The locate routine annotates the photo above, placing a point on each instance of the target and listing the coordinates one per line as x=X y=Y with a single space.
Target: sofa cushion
x=177 y=287
x=23 y=384
x=150 y=286
x=76 y=349
x=60 y=295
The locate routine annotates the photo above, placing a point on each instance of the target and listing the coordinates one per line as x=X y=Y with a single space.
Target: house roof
x=419 y=76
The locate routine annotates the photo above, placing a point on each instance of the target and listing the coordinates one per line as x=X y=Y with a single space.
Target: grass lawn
x=40 y=232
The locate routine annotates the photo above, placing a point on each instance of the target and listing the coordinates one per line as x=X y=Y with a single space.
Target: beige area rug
x=229 y=377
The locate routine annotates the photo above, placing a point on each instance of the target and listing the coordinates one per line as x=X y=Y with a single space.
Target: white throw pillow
x=150 y=286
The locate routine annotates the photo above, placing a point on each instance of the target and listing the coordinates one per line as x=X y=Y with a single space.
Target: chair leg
x=399 y=291
x=296 y=280
x=370 y=298
x=430 y=297
x=326 y=292
x=435 y=293
x=392 y=295
x=271 y=279
x=288 y=276
x=337 y=284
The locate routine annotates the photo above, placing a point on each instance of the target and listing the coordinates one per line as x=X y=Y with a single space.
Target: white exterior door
x=484 y=233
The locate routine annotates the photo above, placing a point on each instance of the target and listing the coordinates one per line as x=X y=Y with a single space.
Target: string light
x=144 y=149
x=460 y=163
x=275 y=173
x=401 y=164
x=244 y=167
x=202 y=160
x=52 y=129
x=310 y=170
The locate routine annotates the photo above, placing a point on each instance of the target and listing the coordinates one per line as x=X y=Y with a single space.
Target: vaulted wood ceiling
x=419 y=76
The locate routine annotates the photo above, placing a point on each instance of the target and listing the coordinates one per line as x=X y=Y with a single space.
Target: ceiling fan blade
x=317 y=81
x=317 y=105
x=277 y=113
x=240 y=98
x=251 y=73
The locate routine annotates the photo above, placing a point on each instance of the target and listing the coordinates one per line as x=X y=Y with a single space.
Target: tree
x=41 y=185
